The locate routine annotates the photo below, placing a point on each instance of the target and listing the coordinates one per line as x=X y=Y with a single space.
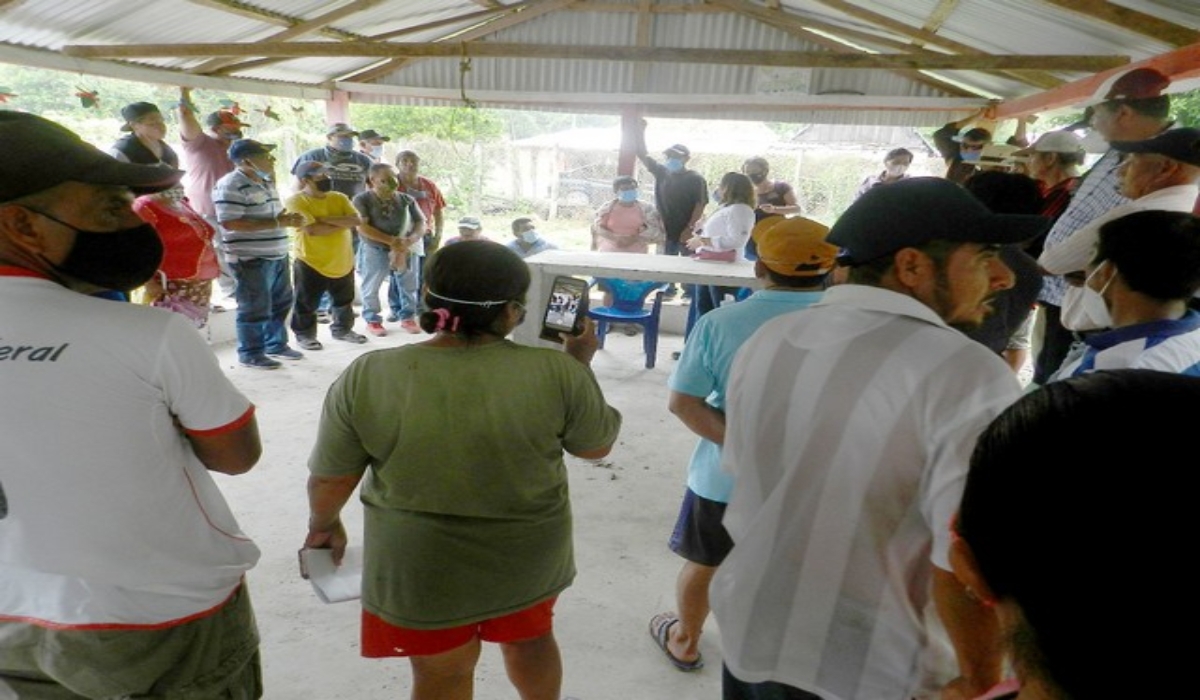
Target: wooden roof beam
x=1178 y=64
x=488 y=49
x=802 y=29
x=516 y=14
x=1132 y=20
x=297 y=30
x=618 y=101
x=231 y=68
x=1039 y=78
x=277 y=18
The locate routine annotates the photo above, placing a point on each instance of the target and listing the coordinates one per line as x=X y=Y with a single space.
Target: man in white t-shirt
x=121 y=565
x=848 y=428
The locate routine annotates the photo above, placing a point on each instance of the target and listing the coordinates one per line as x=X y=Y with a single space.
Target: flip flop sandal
x=660 y=632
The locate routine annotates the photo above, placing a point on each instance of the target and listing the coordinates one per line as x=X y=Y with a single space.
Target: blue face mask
x=344 y=143
x=674 y=165
x=530 y=236
x=970 y=156
x=264 y=174
x=628 y=195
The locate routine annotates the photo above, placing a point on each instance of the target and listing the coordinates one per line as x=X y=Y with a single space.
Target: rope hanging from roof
x=464 y=67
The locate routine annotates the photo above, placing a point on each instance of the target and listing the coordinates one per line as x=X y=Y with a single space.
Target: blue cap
x=243 y=148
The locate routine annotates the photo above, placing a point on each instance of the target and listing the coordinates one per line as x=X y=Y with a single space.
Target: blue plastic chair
x=629 y=305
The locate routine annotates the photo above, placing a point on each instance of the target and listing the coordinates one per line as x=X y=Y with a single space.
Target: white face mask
x=1083 y=308
x=1093 y=300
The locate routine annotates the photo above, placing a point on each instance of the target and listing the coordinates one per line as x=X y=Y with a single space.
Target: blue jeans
x=264 y=298
x=402 y=290
x=373 y=268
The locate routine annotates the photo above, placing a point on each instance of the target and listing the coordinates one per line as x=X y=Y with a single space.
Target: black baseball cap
x=1182 y=144
x=40 y=154
x=368 y=134
x=679 y=150
x=919 y=210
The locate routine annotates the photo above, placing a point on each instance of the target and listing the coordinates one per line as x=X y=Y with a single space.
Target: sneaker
x=410 y=325
x=286 y=353
x=351 y=337
x=309 y=343
x=260 y=362
x=376 y=328
x=324 y=317
x=393 y=317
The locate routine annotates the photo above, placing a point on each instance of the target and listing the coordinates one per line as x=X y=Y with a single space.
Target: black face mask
x=757 y=178
x=323 y=185
x=119 y=260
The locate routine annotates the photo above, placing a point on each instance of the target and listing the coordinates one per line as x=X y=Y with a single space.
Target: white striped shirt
x=1169 y=345
x=236 y=196
x=848 y=431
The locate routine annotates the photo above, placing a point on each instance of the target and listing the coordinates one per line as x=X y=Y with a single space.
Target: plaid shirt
x=1098 y=192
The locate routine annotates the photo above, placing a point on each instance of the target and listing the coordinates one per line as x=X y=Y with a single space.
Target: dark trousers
x=310 y=286
x=734 y=689
x=705 y=298
x=1056 y=342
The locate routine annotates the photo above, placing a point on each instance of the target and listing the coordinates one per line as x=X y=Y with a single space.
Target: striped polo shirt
x=849 y=428
x=236 y=196
x=1169 y=345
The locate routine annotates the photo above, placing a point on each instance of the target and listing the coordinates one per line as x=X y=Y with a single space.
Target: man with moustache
x=121 y=565
x=849 y=426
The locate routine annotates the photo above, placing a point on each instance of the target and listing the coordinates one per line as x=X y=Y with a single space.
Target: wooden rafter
x=1182 y=63
x=657 y=8
x=517 y=15
x=666 y=102
x=940 y=14
x=458 y=19
x=1037 y=78
x=452 y=48
x=1132 y=20
x=277 y=18
x=801 y=30
x=642 y=36
x=298 y=30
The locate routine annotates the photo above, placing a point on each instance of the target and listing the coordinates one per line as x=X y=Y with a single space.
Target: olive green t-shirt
x=467 y=514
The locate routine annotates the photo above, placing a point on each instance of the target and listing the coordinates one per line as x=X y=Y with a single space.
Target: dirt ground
x=624 y=509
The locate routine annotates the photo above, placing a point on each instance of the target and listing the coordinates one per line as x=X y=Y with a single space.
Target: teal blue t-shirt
x=704 y=366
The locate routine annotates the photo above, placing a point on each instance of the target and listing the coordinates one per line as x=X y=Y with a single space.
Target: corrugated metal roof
x=42 y=32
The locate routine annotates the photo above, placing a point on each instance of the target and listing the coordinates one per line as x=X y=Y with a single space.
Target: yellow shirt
x=331 y=254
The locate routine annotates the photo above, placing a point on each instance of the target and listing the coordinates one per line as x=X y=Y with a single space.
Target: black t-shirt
x=676 y=196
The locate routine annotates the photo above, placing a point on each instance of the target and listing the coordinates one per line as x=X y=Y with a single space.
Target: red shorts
x=381 y=639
